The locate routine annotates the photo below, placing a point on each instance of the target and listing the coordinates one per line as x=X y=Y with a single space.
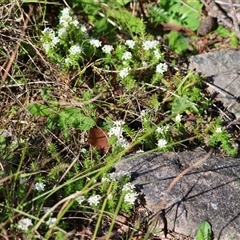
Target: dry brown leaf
x=98 y=138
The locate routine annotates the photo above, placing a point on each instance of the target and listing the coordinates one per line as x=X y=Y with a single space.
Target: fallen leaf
x=98 y=138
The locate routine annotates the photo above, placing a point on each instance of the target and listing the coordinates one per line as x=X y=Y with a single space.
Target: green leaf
x=180 y=105
x=73 y=117
x=122 y=2
x=39 y=110
x=3 y=143
x=204 y=231
x=222 y=31
x=177 y=42
x=234 y=41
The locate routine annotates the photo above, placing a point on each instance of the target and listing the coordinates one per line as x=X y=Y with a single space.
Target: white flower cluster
x=94 y=200
x=127 y=55
x=128 y=188
x=124 y=72
x=162 y=129
x=178 y=118
x=118 y=175
x=130 y=197
x=107 y=49
x=53 y=40
x=218 y=130
x=130 y=43
x=161 y=68
x=95 y=43
x=67 y=19
x=162 y=143
x=117 y=131
x=39 y=186
x=24 y=224
x=75 y=49
x=150 y=44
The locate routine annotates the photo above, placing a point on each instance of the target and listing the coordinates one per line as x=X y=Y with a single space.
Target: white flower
x=118 y=123
x=127 y=55
x=118 y=175
x=82 y=150
x=39 y=186
x=50 y=222
x=218 y=130
x=22 y=180
x=55 y=40
x=162 y=143
x=116 y=130
x=46 y=209
x=105 y=179
x=122 y=142
x=161 y=68
x=150 y=44
x=62 y=31
x=48 y=31
x=68 y=61
x=157 y=54
x=75 y=23
x=65 y=18
x=143 y=113
x=140 y=151
x=66 y=12
x=124 y=72
x=159 y=130
x=130 y=197
x=162 y=129
x=80 y=199
x=47 y=47
x=128 y=187
x=178 y=118
x=24 y=224
x=96 y=43
x=83 y=28
x=94 y=200
x=130 y=43
x=144 y=64
x=107 y=48
x=75 y=49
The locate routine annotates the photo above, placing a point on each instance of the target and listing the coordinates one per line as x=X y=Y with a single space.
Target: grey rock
x=222 y=72
x=210 y=192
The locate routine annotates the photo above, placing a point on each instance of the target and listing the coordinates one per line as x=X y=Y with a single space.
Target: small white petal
x=130 y=43
x=94 y=200
x=127 y=55
x=24 y=224
x=96 y=43
x=130 y=197
x=39 y=186
x=161 y=68
x=107 y=48
x=162 y=143
x=124 y=72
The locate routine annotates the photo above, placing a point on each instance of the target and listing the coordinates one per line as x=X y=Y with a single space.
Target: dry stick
x=217 y=15
x=162 y=202
x=234 y=18
x=14 y=53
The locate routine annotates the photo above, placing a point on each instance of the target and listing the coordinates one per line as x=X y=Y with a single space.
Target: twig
x=215 y=14
x=14 y=53
x=234 y=19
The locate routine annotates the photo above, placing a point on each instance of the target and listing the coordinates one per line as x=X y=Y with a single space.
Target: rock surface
x=222 y=72
x=208 y=193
